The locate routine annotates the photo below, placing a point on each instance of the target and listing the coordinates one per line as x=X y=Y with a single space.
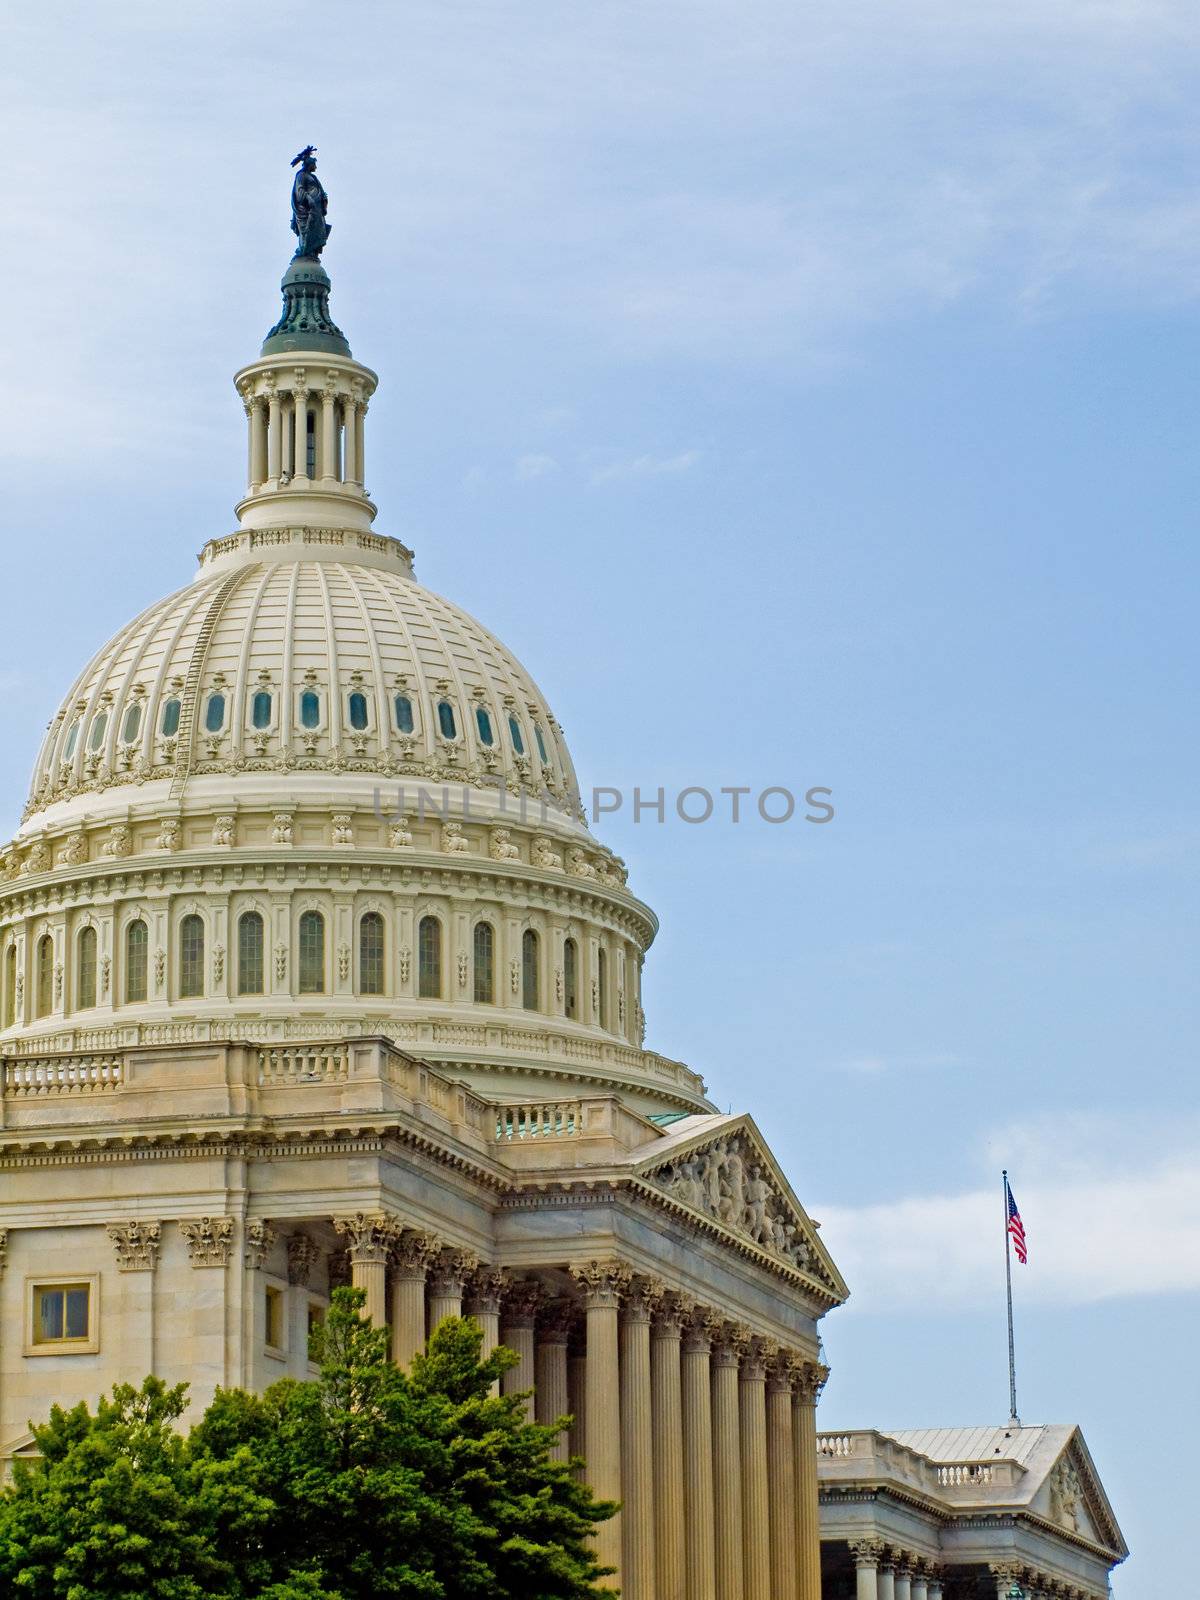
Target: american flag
x=1016 y=1227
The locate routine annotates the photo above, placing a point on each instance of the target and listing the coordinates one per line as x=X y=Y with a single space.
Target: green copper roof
x=306 y=323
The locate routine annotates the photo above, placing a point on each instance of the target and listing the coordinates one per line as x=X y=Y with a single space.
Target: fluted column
x=360 y=430
x=781 y=1480
x=329 y=461
x=637 y=1449
x=887 y=1576
x=666 y=1409
x=696 y=1387
x=935 y=1583
x=728 y=1346
x=256 y=412
x=518 y=1318
x=756 y=1526
x=299 y=432
x=447 y=1275
x=920 y=1584
x=577 y=1390
x=551 y=1397
x=603 y=1283
x=810 y=1380
x=867 y=1554
x=350 y=472
x=274 y=436
x=411 y=1258
x=903 y=1580
x=371 y=1236
x=483 y=1304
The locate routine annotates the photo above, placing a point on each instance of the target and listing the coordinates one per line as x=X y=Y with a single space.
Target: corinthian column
x=551 y=1399
x=328 y=461
x=603 y=1283
x=274 y=436
x=696 y=1384
x=483 y=1304
x=411 y=1256
x=728 y=1346
x=371 y=1236
x=518 y=1317
x=810 y=1380
x=887 y=1576
x=666 y=1410
x=756 y=1527
x=903 y=1580
x=781 y=1480
x=867 y=1554
x=299 y=432
x=447 y=1275
x=637 y=1451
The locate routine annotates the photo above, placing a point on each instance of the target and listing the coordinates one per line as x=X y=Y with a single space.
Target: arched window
x=358 y=711
x=214 y=713
x=541 y=744
x=514 y=733
x=602 y=986
x=370 y=953
x=250 y=971
x=312 y=953
x=45 y=975
x=529 y=970
x=10 y=986
x=310 y=445
x=485 y=963
x=404 y=714
x=484 y=723
x=191 y=957
x=446 y=720
x=72 y=740
x=132 y=725
x=137 y=951
x=85 y=969
x=170 y=719
x=571 y=978
x=260 y=709
x=96 y=737
x=429 y=959
x=310 y=709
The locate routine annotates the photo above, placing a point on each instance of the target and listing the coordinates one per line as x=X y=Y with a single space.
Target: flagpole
x=1012 y=1357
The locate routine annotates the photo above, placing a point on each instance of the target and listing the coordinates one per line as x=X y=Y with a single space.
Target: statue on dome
x=309 y=205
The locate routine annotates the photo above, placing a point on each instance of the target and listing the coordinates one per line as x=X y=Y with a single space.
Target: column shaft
x=756 y=1528
x=887 y=1583
x=300 y=433
x=696 y=1388
x=577 y=1399
x=727 y=1469
x=328 y=434
x=603 y=1283
x=903 y=1586
x=274 y=438
x=413 y=1255
x=361 y=439
x=810 y=1380
x=781 y=1485
x=350 y=473
x=866 y=1586
x=666 y=1404
x=550 y=1386
x=519 y=1338
x=447 y=1303
x=637 y=1455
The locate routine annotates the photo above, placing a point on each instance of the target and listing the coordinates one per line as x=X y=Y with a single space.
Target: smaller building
x=964 y=1514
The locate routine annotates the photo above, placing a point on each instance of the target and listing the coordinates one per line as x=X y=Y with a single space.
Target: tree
x=365 y=1482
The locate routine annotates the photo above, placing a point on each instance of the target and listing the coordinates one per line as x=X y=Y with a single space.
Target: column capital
x=866 y=1552
x=413 y=1251
x=810 y=1378
x=556 y=1321
x=780 y=1379
x=302 y=1256
x=672 y=1315
x=641 y=1298
x=520 y=1301
x=699 y=1330
x=603 y=1282
x=372 y=1235
x=135 y=1243
x=258 y=1239
x=730 y=1343
x=209 y=1240
x=483 y=1291
x=450 y=1270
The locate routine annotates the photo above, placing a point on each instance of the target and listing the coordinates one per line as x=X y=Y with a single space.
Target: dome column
x=350 y=472
x=300 y=426
x=274 y=436
x=329 y=451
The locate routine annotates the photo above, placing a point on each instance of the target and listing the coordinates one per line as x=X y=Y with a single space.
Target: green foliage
x=365 y=1482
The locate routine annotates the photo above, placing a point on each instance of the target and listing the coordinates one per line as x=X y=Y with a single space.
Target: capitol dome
x=305 y=798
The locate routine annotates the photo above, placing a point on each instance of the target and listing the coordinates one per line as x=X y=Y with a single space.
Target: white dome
x=289 y=654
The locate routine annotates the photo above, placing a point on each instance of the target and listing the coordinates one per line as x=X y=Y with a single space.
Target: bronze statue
x=309 y=205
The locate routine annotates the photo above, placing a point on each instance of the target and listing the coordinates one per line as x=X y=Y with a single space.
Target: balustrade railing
x=303 y=1064
x=558 y=1119
x=74 y=1075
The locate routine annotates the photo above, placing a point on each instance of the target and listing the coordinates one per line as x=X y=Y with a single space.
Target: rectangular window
x=273 y=1324
x=62 y=1316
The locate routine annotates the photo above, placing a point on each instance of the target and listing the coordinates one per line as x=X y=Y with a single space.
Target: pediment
x=1074 y=1498
x=724 y=1172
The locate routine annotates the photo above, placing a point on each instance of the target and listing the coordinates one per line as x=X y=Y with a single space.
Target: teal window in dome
x=446 y=720
x=312 y=953
x=370 y=953
x=85 y=969
x=191 y=957
x=514 y=731
x=131 y=727
x=310 y=709
x=483 y=722
x=96 y=738
x=485 y=963
x=170 y=719
x=137 y=949
x=358 y=711
x=541 y=744
x=214 y=713
x=571 y=978
x=429 y=959
x=260 y=709
x=404 y=715
x=72 y=740
x=250 y=953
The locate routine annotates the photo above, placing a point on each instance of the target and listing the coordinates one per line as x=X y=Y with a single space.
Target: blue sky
x=808 y=394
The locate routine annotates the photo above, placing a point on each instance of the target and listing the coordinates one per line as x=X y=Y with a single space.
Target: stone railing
x=950 y=1474
x=316 y=1063
x=55 y=1075
x=869 y=1456
x=560 y=1119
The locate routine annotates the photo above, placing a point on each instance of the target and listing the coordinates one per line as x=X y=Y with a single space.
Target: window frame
x=531 y=970
x=212 y=698
x=38 y=1282
x=410 y=731
x=430 y=919
x=274 y=1297
x=312 y=916
x=244 y=918
x=127 y=962
x=187 y=925
x=488 y=967
x=43 y=977
x=369 y=719
x=87 y=934
x=374 y=918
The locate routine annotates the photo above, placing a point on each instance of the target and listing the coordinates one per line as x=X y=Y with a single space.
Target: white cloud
x=1111 y=1207
x=874 y=1066
x=646 y=466
x=529 y=467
